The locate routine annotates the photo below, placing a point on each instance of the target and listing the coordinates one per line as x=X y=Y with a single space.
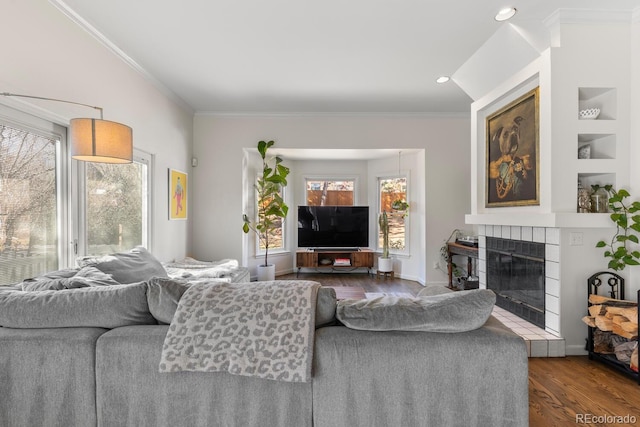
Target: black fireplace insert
x=515 y=272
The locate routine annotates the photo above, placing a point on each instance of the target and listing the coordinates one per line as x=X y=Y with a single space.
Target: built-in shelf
x=597 y=177
x=596 y=146
x=596 y=150
x=599 y=97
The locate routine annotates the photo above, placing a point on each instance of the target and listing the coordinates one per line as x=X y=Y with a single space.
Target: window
x=28 y=203
x=116 y=206
x=276 y=234
x=327 y=192
x=390 y=190
x=45 y=204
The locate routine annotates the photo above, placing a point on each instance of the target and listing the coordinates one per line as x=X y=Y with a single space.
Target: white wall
x=219 y=142
x=46 y=54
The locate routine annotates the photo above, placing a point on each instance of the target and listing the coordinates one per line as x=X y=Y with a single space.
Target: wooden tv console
x=326 y=259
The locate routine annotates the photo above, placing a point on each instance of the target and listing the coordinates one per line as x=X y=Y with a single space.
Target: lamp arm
x=53 y=99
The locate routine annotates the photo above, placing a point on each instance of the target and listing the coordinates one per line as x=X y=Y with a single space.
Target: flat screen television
x=333 y=226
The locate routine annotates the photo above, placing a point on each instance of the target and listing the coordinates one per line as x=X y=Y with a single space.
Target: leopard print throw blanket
x=258 y=329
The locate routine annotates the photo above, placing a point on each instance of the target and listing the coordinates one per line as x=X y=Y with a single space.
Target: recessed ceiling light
x=442 y=79
x=505 y=14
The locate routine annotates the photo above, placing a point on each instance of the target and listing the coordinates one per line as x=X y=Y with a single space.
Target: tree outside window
x=116 y=198
x=28 y=203
x=276 y=235
x=392 y=189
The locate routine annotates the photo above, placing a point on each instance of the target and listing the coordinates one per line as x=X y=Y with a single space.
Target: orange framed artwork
x=178 y=194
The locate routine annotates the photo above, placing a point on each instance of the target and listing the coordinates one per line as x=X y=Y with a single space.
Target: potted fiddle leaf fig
x=385 y=263
x=271 y=208
x=620 y=250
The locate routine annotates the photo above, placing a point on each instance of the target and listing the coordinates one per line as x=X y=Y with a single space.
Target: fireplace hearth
x=515 y=272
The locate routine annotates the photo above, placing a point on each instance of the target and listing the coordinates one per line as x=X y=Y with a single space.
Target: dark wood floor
x=367 y=281
x=563 y=391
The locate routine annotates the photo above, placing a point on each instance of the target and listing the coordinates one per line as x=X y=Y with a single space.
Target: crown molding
x=93 y=31
x=257 y=114
x=589 y=16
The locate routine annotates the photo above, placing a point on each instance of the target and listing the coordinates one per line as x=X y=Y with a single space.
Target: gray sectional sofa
x=89 y=356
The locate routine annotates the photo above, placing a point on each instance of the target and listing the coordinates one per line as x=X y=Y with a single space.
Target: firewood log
x=616 y=318
x=589 y=321
x=630 y=313
x=603 y=323
x=630 y=327
x=598 y=299
x=619 y=330
x=602 y=341
x=596 y=310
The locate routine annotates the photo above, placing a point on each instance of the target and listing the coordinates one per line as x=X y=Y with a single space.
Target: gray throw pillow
x=93 y=306
x=163 y=296
x=86 y=276
x=448 y=312
x=53 y=280
x=325 y=307
x=136 y=265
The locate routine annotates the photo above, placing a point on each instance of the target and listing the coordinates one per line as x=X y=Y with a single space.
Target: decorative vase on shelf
x=584 y=199
x=600 y=201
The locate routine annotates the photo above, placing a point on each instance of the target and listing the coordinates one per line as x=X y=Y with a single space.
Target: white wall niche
x=601 y=146
x=598 y=97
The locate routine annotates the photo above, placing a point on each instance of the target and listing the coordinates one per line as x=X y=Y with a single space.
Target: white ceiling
x=299 y=56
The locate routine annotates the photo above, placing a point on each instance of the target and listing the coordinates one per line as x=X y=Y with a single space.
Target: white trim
x=258 y=114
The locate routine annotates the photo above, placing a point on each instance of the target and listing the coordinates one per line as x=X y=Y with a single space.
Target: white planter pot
x=266 y=272
x=385 y=265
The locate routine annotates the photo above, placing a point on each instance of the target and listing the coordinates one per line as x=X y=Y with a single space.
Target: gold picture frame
x=513 y=153
x=178 y=194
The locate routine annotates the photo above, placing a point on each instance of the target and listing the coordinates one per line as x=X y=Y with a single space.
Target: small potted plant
x=385 y=263
x=272 y=209
x=401 y=206
x=627 y=220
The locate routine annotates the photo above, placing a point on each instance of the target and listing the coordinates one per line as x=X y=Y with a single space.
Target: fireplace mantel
x=553 y=220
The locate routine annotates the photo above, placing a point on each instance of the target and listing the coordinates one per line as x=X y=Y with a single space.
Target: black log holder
x=615 y=284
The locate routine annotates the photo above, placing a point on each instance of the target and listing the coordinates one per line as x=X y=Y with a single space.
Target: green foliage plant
x=383 y=221
x=620 y=250
x=272 y=209
x=401 y=205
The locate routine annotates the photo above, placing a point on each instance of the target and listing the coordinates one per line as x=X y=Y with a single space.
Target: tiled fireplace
x=544 y=248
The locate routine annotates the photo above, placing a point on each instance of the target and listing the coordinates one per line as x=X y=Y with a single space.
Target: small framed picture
x=178 y=194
